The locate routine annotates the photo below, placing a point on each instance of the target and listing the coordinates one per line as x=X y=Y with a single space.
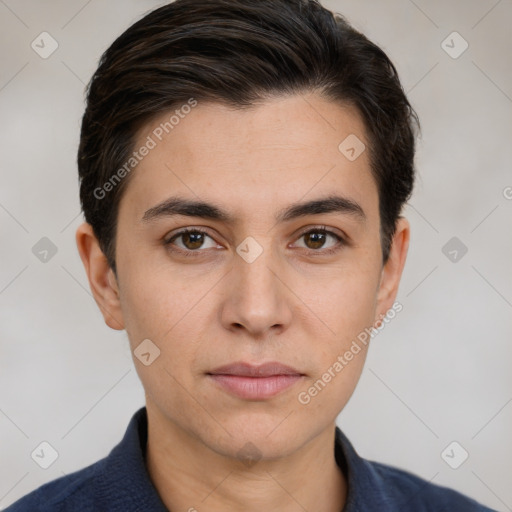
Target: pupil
x=319 y=242
x=195 y=243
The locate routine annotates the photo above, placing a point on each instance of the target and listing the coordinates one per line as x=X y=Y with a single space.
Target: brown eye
x=191 y=240
x=316 y=239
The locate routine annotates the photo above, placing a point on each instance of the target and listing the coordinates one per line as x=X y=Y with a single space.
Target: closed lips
x=243 y=369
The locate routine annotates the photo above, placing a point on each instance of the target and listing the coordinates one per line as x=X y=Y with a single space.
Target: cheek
x=349 y=313
x=346 y=304
x=157 y=311
x=154 y=298
x=344 y=301
x=336 y=381
x=140 y=307
x=165 y=308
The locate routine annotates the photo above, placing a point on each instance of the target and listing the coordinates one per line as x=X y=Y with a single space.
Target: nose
x=257 y=299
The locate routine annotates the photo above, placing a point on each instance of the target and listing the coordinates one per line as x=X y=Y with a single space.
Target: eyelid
x=327 y=229
x=342 y=240
x=189 y=229
x=180 y=231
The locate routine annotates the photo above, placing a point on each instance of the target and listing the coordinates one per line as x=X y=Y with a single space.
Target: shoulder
x=73 y=492
x=411 y=492
x=374 y=485
x=119 y=481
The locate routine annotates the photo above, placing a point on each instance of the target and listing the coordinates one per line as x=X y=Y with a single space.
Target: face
x=271 y=272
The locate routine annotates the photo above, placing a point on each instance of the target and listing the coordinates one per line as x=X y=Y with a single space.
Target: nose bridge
x=253 y=269
x=254 y=264
x=258 y=299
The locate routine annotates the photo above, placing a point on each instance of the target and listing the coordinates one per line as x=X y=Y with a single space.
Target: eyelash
x=321 y=229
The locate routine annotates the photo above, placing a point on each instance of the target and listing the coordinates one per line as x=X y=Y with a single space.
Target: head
x=282 y=139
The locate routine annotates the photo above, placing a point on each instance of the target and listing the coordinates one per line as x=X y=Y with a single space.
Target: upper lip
x=249 y=370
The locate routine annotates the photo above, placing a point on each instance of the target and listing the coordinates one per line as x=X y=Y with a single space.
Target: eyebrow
x=174 y=206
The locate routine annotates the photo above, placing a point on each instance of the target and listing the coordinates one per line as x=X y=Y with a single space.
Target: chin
x=260 y=436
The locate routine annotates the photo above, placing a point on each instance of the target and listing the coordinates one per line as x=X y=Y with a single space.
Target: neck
x=190 y=476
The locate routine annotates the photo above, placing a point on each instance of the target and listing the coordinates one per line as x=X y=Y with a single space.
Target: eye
x=316 y=238
x=192 y=240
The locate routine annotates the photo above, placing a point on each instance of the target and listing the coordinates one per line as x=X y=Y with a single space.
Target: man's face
x=257 y=288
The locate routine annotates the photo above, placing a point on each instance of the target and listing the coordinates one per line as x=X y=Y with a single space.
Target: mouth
x=255 y=382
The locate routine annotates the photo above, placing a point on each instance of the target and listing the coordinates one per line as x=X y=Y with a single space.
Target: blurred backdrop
x=437 y=386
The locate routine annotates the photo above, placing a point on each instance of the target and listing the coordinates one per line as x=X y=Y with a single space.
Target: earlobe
x=392 y=270
x=102 y=281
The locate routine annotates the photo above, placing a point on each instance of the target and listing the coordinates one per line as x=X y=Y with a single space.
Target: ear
x=102 y=280
x=392 y=270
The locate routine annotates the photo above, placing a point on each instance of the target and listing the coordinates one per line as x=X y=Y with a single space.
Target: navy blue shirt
x=120 y=483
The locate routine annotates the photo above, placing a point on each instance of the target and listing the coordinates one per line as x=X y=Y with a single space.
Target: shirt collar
x=125 y=479
x=365 y=489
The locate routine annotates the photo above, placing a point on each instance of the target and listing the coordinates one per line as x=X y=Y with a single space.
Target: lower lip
x=255 y=388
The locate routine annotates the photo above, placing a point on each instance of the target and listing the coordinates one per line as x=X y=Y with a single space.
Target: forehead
x=252 y=160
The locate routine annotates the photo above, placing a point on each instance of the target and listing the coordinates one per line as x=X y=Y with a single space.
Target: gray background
x=439 y=372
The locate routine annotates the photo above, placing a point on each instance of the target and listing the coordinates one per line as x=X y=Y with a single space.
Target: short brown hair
x=239 y=52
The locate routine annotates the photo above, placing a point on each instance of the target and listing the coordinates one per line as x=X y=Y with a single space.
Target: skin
x=294 y=304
